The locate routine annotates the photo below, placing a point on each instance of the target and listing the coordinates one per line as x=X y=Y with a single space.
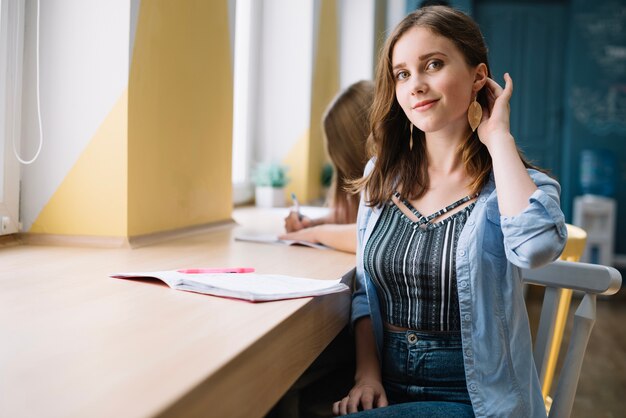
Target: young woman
x=449 y=214
x=346 y=129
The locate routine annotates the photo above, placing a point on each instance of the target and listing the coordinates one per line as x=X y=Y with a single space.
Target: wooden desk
x=76 y=343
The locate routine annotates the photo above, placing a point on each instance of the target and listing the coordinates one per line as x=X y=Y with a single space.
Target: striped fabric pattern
x=413 y=264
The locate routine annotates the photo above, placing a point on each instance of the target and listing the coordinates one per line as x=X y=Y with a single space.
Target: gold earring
x=411 y=138
x=474 y=114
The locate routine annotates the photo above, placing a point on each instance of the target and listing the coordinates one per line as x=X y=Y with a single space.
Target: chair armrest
x=589 y=278
x=559 y=278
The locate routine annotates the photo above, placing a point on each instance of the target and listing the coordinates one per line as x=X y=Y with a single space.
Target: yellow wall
x=161 y=160
x=92 y=198
x=180 y=117
x=325 y=86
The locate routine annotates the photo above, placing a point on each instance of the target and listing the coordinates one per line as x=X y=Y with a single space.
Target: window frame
x=11 y=55
x=248 y=18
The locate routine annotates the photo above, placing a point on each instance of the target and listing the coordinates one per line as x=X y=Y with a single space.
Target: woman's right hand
x=366 y=394
x=295 y=222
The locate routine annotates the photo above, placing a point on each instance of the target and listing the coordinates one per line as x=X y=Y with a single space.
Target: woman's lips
x=424 y=105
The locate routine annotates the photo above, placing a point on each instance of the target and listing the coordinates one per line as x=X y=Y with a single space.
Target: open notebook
x=266 y=238
x=248 y=286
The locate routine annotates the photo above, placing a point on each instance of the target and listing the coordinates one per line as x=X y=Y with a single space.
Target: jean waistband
x=424 y=335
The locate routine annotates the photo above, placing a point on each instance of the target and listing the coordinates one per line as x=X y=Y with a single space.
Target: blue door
x=527 y=40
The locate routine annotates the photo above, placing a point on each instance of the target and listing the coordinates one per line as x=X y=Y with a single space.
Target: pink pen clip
x=218 y=270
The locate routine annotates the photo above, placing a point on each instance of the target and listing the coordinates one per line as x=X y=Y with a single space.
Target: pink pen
x=218 y=270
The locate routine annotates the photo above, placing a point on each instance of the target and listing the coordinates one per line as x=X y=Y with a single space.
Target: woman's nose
x=418 y=85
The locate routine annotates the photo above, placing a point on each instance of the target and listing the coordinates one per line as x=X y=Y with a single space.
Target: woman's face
x=433 y=81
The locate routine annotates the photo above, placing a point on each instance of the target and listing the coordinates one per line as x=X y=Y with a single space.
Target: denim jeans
x=423 y=376
x=419 y=410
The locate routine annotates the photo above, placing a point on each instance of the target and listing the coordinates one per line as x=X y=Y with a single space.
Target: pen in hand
x=296 y=206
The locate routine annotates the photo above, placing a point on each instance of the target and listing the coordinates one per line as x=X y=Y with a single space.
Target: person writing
x=346 y=129
x=449 y=214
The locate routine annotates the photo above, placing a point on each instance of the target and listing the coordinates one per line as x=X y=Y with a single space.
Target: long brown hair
x=346 y=127
x=395 y=164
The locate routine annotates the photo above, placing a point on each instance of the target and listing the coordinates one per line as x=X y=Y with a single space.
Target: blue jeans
x=423 y=376
x=419 y=410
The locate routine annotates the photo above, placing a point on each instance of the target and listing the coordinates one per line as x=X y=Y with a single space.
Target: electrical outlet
x=5 y=224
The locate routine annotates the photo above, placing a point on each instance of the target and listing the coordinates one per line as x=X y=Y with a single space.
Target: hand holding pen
x=295 y=221
x=296 y=206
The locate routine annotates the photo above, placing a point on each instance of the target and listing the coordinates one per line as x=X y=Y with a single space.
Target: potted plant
x=270 y=180
x=326 y=179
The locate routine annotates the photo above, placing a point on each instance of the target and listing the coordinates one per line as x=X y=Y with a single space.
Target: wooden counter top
x=76 y=343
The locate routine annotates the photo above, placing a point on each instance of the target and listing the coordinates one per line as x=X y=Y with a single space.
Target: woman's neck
x=443 y=153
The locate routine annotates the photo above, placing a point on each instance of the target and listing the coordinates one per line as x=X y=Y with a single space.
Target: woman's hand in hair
x=495 y=123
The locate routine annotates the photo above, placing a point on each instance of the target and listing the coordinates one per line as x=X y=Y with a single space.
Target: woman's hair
x=395 y=163
x=346 y=127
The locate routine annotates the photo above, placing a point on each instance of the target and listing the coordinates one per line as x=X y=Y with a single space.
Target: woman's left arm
x=513 y=183
x=532 y=222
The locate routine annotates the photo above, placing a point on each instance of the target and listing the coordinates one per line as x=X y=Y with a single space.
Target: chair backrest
x=592 y=280
x=558 y=309
x=575 y=245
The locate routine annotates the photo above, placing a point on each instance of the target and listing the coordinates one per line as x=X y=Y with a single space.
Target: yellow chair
x=574 y=249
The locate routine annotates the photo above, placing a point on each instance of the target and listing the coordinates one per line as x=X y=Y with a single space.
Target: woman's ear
x=480 y=77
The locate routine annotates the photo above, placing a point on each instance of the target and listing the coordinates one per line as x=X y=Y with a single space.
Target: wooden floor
x=602 y=385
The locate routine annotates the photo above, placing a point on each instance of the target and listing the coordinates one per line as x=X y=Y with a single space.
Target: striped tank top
x=413 y=267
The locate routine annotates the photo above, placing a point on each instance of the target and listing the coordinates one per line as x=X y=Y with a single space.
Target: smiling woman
x=434 y=83
x=450 y=213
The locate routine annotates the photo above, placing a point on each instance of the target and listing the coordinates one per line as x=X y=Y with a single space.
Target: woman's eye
x=401 y=75
x=434 y=65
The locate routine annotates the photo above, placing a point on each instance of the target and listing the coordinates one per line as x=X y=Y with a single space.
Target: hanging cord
x=38 y=106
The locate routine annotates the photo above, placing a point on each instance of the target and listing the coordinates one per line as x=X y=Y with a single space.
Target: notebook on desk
x=266 y=238
x=247 y=286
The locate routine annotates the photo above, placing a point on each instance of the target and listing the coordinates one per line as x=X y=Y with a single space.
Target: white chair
x=574 y=248
x=559 y=276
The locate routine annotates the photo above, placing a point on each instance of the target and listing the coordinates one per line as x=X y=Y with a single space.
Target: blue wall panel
x=595 y=97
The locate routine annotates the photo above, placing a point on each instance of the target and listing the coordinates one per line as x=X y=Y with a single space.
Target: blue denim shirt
x=501 y=376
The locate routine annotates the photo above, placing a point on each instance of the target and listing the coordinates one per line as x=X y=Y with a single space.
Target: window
x=11 y=43
x=246 y=27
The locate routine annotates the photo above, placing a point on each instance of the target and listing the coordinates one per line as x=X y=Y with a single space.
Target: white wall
x=84 y=60
x=284 y=77
x=356 y=45
x=358 y=38
x=11 y=48
x=396 y=10
x=3 y=93
x=135 y=5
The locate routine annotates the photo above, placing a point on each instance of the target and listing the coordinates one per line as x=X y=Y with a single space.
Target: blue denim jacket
x=501 y=376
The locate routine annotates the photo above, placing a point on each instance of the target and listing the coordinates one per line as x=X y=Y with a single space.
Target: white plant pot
x=269 y=197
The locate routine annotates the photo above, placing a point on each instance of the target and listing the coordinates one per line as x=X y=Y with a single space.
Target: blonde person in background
x=346 y=129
